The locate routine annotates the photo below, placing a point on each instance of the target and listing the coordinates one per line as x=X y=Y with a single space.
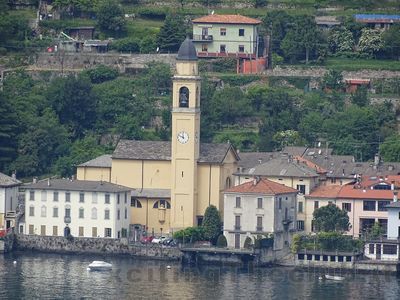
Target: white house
x=8 y=200
x=259 y=207
x=393 y=229
x=85 y=208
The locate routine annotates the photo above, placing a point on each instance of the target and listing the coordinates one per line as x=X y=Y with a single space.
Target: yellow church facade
x=173 y=181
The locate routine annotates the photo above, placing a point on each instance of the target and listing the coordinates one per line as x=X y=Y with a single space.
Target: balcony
x=202 y=38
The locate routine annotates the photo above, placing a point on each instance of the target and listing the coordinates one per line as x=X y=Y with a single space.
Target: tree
x=331 y=218
x=8 y=128
x=375 y=232
x=73 y=101
x=333 y=80
x=102 y=73
x=110 y=17
x=172 y=33
x=275 y=23
x=391 y=42
x=341 y=40
x=371 y=41
x=360 y=97
x=302 y=39
x=390 y=148
x=212 y=224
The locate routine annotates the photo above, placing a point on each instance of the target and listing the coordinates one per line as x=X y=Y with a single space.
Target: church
x=173 y=181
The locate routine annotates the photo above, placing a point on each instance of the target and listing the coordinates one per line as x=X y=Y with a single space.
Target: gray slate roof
x=187 y=51
x=161 y=150
x=151 y=193
x=7 y=181
x=78 y=185
x=250 y=159
x=103 y=161
x=280 y=167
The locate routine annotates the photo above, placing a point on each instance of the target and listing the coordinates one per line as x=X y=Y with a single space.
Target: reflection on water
x=51 y=276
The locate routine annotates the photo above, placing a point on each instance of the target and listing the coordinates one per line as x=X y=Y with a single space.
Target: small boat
x=99 y=265
x=337 y=278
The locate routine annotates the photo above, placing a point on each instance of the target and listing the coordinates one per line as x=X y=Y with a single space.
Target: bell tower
x=185 y=137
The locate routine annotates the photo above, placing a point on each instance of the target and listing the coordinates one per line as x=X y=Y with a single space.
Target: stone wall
x=71 y=61
x=7 y=243
x=56 y=244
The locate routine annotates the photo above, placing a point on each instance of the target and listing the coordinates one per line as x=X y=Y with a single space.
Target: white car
x=158 y=240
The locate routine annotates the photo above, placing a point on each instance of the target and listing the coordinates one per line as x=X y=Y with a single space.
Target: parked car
x=169 y=242
x=146 y=239
x=158 y=240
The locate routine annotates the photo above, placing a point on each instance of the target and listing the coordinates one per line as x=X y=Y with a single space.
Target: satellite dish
x=319 y=144
x=212 y=12
x=158 y=49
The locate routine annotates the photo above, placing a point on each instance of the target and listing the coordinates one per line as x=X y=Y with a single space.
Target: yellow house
x=174 y=182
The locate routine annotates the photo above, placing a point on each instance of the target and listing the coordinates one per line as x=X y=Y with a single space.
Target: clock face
x=183 y=137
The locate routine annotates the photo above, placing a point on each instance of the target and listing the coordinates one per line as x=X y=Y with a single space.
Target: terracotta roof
x=368 y=181
x=350 y=192
x=262 y=186
x=227 y=19
x=310 y=164
x=326 y=191
x=160 y=150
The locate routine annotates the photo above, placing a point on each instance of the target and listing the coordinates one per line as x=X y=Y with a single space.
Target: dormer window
x=184 y=97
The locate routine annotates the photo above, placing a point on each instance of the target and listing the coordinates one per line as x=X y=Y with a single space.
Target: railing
x=202 y=37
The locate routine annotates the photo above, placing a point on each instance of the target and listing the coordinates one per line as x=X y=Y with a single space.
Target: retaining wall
x=76 y=245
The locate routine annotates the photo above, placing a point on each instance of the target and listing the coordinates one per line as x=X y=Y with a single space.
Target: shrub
x=212 y=224
x=130 y=45
x=3 y=51
x=102 y=73
x=227 y=64
x=221 y=241
x=248 y=243
x=296 y=243
x=190 y=234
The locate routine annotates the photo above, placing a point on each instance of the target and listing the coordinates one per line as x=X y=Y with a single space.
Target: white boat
x=99 y=265
x=337 y=278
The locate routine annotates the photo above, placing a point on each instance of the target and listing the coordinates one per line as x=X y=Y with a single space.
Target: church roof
x=151 y=193
x=103 y=161
x=161 y=150
x=187 y=51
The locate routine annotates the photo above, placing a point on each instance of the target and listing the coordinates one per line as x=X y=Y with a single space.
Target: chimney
x=376 y=159
x=255 y=181
x=14 y=175
x=394 y=196
x=48 y=181
x=34 y=180
x=73 y=177
x=392 y=185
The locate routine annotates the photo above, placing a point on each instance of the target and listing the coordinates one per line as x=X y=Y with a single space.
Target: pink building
x=365 y=201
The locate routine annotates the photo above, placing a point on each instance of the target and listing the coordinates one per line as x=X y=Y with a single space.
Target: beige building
x=86 y=208
x=259 y=207
x=174 y=182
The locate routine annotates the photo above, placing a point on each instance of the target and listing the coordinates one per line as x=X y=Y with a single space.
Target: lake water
x=52 y=276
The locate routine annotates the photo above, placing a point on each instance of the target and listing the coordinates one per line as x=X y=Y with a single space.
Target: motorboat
x=337 y=278
x=99 y=265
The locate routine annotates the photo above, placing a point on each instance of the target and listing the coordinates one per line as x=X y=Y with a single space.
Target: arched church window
x=136 y=203
x=228 y=183
x=162 y=203
x=183 y=97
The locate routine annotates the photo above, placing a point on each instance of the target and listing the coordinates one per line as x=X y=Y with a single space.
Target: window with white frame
x=107 y=214
x=32 y=195
x=107 y=232
x=94 y=213
x=55 y=212
x=67 y=197
x=107 y=198
x=55 y=196
x=259 y=202
x=237 y=202
x=43 y=211
x=81 y=197
x=81 y=213
x=31 y=211
x=94 y=197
